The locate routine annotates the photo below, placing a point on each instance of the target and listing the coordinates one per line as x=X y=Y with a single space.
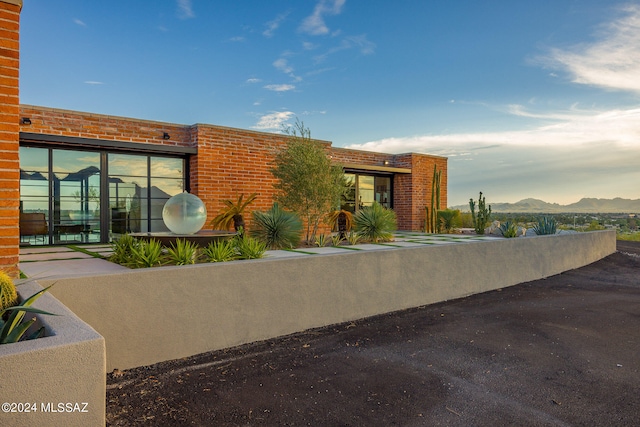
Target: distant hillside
x=586 y=205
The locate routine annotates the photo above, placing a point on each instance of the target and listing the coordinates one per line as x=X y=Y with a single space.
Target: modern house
x=69 y=176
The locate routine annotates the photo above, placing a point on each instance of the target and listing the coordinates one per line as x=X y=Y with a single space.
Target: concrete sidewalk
x=69 y=261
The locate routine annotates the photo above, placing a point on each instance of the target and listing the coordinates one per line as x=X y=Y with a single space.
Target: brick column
x=9 y=135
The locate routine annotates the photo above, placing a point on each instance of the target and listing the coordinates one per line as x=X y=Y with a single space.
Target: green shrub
x=376 y=223
x=123 y=249
x=182 y=252
x=249 y=248
x=220 y=251
x=277 y=228
x=509 y=229
x=146 y=254
x=12 y=327
x=8 y=293
x=545 y=225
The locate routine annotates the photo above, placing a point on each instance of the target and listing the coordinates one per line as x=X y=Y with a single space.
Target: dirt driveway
x=554 y=352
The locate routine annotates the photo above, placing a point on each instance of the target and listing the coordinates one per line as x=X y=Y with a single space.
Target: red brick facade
x=232 y=161
x=9 y=118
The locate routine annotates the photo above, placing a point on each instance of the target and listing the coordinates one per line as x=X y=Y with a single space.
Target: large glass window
x=364 y=189
x=67 y=197
x=139 y=186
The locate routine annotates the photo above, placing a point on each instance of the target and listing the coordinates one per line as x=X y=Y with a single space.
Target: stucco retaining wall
x=66 y=367
x=151 y=315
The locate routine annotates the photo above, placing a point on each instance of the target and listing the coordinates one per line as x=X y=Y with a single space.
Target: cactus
x=482 y=218
x=431 y=219
x=8 y=293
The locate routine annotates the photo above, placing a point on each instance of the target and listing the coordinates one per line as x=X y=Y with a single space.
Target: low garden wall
x=55 y=380
x=151 y=315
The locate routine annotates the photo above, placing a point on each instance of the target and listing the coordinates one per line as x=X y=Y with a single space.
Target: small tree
x=308 y=182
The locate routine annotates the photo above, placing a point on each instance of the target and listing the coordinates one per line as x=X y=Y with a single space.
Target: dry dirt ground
x=554 y=352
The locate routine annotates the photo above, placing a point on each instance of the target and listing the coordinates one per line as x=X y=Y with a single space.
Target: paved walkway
x=72 y=260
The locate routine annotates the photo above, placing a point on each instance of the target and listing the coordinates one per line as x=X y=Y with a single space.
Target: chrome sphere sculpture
x=184 y=213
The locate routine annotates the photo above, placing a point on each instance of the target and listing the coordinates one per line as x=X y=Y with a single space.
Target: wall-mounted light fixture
x=166 y=136
x=25 y=121
x=386 y=163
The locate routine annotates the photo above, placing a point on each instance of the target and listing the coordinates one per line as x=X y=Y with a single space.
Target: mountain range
x=585 y=205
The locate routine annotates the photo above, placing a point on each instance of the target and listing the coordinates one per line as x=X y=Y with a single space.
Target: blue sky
x=526 y=98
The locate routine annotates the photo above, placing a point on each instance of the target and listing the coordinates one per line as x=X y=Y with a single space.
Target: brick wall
x=231 y=162
x=9 y=117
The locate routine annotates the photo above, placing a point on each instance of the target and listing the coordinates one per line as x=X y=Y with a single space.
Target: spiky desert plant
x=249 y=248
x=123 y=249
x=220 y=251
x=277 y=228
x=353 y=238
x=13 y=328
x=509 y=229
x=8 y=293
x=482 y=217
x=545 y=225
x=146 y=254
x=431 y=217
x=182 y=252
x=333 y=216
x=321 y=240
x=232 y=213
x=449 y=220
x=336 y=239
x=376 y=223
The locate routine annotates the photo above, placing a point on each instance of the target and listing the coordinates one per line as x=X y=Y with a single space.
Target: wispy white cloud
x=360 y=43
x=93 y=82
x=280 y=87
x=253 y=80
x=274 y=24
x=611 y=62
x=185 y=9
x=274 y=120
x=79 y=22
x=283 y=65
x=314 y=24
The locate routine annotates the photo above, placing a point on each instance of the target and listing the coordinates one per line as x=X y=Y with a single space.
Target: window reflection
x=363 y=190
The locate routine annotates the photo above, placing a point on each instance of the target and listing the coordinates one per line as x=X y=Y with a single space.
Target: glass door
x=75 y=196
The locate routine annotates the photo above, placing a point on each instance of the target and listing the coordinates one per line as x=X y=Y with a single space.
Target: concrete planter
x=58 y=380
x=151 y=315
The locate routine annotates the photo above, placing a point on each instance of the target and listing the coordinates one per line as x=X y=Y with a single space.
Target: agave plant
x=183 y=252
x=13 y=329
x=232 y=213
x=277 y=228
x=321 y=240
x=353 y=238
x=546 y=225
x=509 y=229
x=249 y=248
x=220 y=251
x=146 y=254
x=376 y=223
x=123 y=249
x=336 y=239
